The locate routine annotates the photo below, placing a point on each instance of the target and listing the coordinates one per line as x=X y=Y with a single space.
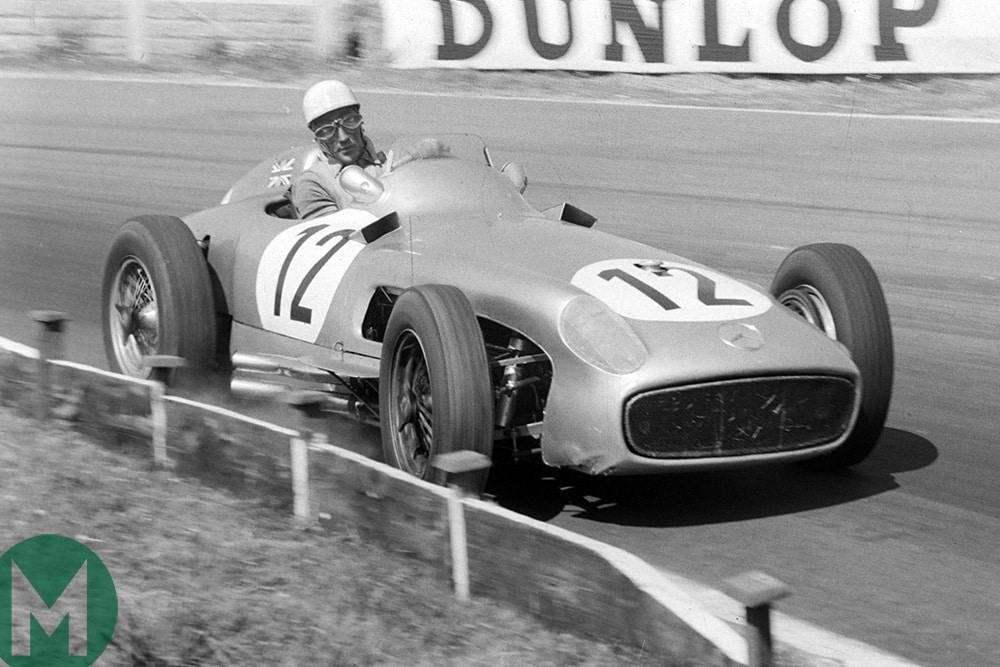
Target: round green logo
x=58 y=605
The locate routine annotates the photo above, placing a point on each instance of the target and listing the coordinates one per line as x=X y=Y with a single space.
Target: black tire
x=435 y=394
x=834 y=287
x=157 y=299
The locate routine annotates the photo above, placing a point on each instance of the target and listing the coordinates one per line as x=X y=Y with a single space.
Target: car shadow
x=690 y=499
x=672 y=500
x=900 y=451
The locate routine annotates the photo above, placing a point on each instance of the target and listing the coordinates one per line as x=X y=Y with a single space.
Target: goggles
x=330 y=130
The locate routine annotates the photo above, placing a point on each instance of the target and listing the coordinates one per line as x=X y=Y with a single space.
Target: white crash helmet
x=326 y=96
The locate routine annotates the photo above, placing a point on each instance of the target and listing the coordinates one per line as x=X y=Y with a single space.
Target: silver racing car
x=439 y=303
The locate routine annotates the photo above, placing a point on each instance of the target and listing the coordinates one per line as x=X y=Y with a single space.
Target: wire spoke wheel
x=157 y=300
x=807 y=302
x=134 y=323
x=435 y=394
x=410 y=395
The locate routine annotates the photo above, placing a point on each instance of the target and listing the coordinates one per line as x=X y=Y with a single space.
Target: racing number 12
x=300 y=313
x=706 y=287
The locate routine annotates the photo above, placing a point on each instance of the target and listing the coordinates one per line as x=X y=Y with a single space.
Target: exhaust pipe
x=255 y=362
x=258 y=389
x=346 y=406
x=285 y=367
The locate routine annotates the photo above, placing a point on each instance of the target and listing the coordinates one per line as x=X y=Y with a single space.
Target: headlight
x=600 y=336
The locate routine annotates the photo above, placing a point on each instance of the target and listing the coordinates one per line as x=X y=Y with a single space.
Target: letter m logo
x=28 y=608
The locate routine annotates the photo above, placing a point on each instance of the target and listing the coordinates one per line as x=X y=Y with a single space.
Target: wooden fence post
x=310 y=407
x=50 y=346
x=163 y=366
x=327 y=40
x=300 y=479
x=455 y=465
x=136 y=30
x=757 y=591
x=158 y=414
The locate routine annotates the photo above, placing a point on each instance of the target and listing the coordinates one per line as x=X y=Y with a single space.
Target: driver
x=333 y=115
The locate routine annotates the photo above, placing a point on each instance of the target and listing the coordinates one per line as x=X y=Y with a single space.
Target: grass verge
x=204 y=578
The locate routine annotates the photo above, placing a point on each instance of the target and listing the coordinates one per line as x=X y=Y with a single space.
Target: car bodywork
x=609 y=356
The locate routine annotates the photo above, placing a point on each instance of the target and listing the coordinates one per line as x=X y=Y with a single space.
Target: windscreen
x=411 y=148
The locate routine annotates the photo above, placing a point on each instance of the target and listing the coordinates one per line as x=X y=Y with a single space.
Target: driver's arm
x=312 y=193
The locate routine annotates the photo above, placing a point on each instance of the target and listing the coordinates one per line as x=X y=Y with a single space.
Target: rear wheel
x=157 y=298
x=435 y=394
x=833 y=287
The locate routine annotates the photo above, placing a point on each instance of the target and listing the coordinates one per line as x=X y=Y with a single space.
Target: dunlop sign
x=58 y=604
x=660 y=36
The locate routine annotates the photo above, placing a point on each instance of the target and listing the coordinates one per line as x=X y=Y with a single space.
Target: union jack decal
x=281 y=176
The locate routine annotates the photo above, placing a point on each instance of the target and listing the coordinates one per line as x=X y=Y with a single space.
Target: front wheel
x=833 y=287
x=435 y=394
x=157 y=298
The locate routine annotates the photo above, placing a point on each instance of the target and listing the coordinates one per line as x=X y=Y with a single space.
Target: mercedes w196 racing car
x=439 y=303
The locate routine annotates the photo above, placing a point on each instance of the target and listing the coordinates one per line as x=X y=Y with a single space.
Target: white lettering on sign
x=301 y=269
x=644 y=289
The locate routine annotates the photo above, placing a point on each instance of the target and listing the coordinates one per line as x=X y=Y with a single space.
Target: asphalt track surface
x=901 y=552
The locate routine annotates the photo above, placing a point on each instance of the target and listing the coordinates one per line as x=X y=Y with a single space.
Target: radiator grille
x=739 y=417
